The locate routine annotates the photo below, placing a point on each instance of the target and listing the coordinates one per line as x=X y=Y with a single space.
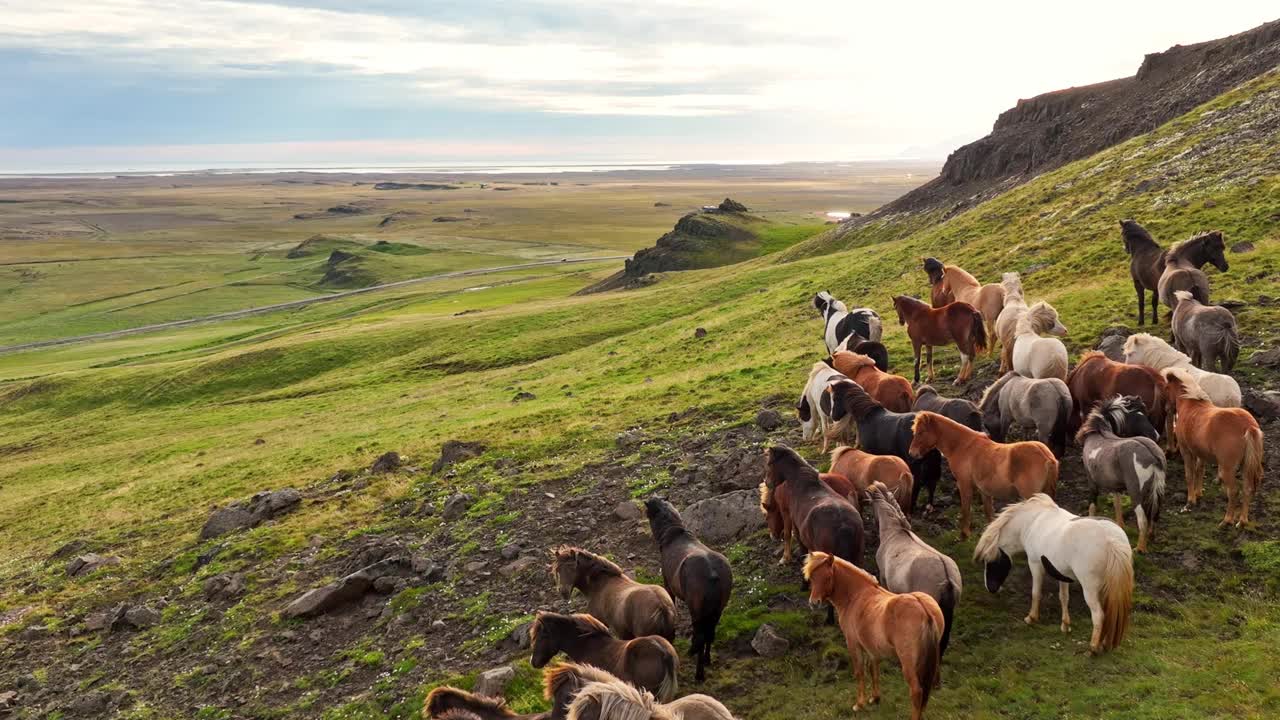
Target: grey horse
x=909 y=564
x=1205 y=332
x=1043 y=403
x=1132 y=465
x=958 y=409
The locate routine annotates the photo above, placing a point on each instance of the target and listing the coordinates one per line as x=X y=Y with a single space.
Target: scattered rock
x=224 y=586
x=494 y=682
x=627 y=510
x=454 y=451
x=424 y=567
x=349 y=589
x=140 y=616
x=71 y=549
x=725 y=517
x=34 y=633
x=437 y=625
x=259 y=441
x=1264 y=405
x=769 y=643
x=1210 y=203
x=387 y=585
x=89 y=562
x=513 y=569
x=8 y=700
x=1243 y=247
x=90 y=704
x=455 y=505
x=386 y=462
x=732 y=206
x=517 y=639
x=629 y=439
x=662 y=204
x=700 y=332
x=102 y=620
x=768 y=419
x=1267 y=358
x=448 y=219
x=258 y=509
x=523 y=395
x=510 y=551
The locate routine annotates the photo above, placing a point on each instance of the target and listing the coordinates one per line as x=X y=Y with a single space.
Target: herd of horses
x=894 y=438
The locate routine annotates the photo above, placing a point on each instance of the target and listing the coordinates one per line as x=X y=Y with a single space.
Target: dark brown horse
x=647 y=662
x=693 y=572
x=824 y=518
x=1146 y=264
x=775 y=503
x=629 y=608
x=1182 y=267
x=957 y=323
x=1097 y=378
x=963 y=411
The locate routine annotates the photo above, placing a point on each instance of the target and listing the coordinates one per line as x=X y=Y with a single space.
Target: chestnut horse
x=864 y=469
x=957 y=323
x=1097 y=378
x=998 y=471
x=646 y=662
x=629 y=608
x=880 y=624
x=775 y=503
x=949 y=283
x=1229 y=437
x=892 y=391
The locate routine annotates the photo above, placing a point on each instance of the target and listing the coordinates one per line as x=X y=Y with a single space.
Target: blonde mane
x=989 y=543
x=555 y=677
x=880 y=495
x=1190 y=388
x=1012 y=285
x=835 y=454
x=1147 y=349
x=817 y=368
x=618 y=700
x=815 y=558
x=766 y=497
x=1038 y=318
x=854 y=359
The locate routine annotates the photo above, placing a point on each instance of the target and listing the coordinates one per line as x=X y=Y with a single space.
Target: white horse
x=1035 y=356
x=1015 y=306
x=841 y=322
x=1069 y=548
x=1149 y=350
x=814 y=407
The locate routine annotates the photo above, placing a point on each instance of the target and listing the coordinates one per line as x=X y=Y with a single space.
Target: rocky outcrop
x=251 y=513
x=349 y=589
x=726 y=517
x=770 y=643
x=88 y=563
x=456 y=451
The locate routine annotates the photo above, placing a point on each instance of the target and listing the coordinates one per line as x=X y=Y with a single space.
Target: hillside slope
x=582 y=403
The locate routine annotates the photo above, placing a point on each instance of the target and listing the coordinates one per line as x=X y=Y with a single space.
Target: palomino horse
x=874 y=350
x=998 y=471
x=1182 y=267
x=692 y=572
x=814 y=407
x=882 y=432
x=775 y=503
x=1146 y=264
x=629 y=608
x=842 y=323
x=1039 y=357
x=864 y=469
x=647 y=662
x=957 y=323
x=962 y=411
x=880 y=624
x=1069 y=548
x=1044 y=404
x=603 y=697
x=891 y=391
x=1015 y=306
x=955 y=285
x=1131 y=465
x=1205 y=332
x=1229 y=437
x=824 y=518
x=1097 y=378
x=909 y=564
x=1149 y=350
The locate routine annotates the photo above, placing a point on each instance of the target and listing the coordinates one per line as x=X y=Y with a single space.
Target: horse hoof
x=1029 y=620
x=1066 y=627
x=1186 y=508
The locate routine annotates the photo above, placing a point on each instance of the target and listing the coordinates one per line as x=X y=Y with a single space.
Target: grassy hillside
x=129 y=458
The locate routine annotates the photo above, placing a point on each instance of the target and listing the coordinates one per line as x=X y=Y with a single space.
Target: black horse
x=882 y=432
x=693 y=572
x=874 y=350
x=1128 y=418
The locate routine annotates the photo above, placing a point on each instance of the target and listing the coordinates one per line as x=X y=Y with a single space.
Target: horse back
x=705 y=581
x=832 y=525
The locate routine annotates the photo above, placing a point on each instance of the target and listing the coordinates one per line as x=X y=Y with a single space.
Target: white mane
x=1012 y=284
x=989 y=543
x=1147 y=349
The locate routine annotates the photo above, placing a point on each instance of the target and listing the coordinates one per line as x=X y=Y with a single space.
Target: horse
x=1182 y=267
x=814 y=407
x=1097 y=378
x=874 y=350
x=1044 y=404
x=841 y=322
x=630 y=609
x=648 y=662
x=864 y=470
x=603 y=697
x=1039 y=357
x=1205 y=332
x=962 y=411
x=1069 y=548
x=953 y=284
x=560 y=683
x=891 y=391
x=998 y=471
x=1134 y=465
x=1229 y=437
x=909 y=564
x=958 y=323
x=1149 y=350
x=691 y=571
x=1015 y=306
x=775 y=503
x=882 y=432
x=1146 y=264
x=880 y=624
x=824 y=518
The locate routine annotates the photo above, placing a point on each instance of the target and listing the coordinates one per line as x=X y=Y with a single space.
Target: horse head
x=820 y=571
x=924 y=434
x=542 y=641
x=1135 y=236
x=935 y=269
x=662 y=516
x=822 y=301
x=1214 y=250
x=997 y=571
x=772 y=513
x=897 y=307
x=564 y=566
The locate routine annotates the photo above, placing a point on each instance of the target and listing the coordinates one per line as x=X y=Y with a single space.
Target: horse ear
x=831 y=560
x=829 y=361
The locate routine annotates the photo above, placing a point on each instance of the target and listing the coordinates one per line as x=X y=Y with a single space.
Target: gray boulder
x=88 y=563
x=726 y=517
x=770 y=643
x=141 y=616
x=493 y=683
x=768 y=419
x=347 y=590
x=225 y=586
x=251 y=513
x=455 y=451
x=455 y=505
x=386 y=462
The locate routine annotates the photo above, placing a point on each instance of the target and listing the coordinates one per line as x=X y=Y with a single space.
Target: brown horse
x=1097 y=378
x=775 y=503
x=629 y=608
x=879 y=624
x=646 y=662
x=560 y=683
x=953 y=284
x=957 y=323
x=864 y=469
x=892 y=391
x=999 y=471
x=824 y=519
x=693 y=572
x=1229 y=437
x=1182 y=267
x=1146 y=264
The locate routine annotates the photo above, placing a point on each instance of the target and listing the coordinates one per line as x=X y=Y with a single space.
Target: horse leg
x=787 y=532
x=1037 y=575
x=831 y=614
x=1142 y=296
x=928 y=350
x=1095 y=611
x=1064 y=599
x=1115 y=502
x=1144 y=531
x=988 y=506
x=1093 y=499
x=1227 y=476
x=966 y=497
x=915 y=348
x=874 y=662
x=859 y=673
x=1192 y=469
x=696 y=645
x=1155 y=308
x=966 y=370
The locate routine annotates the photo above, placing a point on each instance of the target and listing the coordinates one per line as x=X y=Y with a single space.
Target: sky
x=127 y=84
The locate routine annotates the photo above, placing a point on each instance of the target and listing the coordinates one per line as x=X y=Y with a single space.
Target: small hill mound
x=319 y=245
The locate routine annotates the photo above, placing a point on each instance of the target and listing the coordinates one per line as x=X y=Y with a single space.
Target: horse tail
x=948 y=606
x=1253 y=459
x=1116 y=593
x=1062 y=419
x=978 y=335
x=1050 y=476
x=670 y=683
x=928 y=662
x=662 y=621
x=1230 y=347
x=1151 y=489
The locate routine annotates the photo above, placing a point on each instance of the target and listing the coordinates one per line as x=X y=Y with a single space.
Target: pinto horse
x=957 y=323
x=1182 y=267
x=1229 y=437
x=646 y=662
x=892 y=391
x=775 y=503
x=864 y=470
x=842 y=324
x=1118 y=464
x=693 y=572
x=874 y=350
x=1069 y=548
x=996 y=470
x=629 y=608
x=1097 y=378
x=880 y=624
